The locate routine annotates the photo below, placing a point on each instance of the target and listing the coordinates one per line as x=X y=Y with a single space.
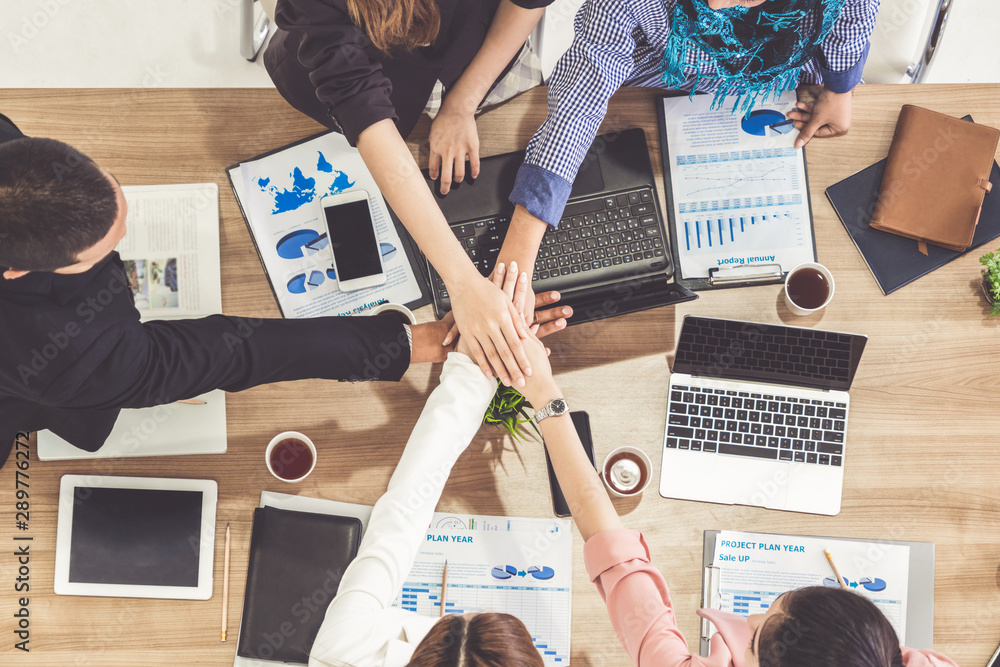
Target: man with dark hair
x=73 y=352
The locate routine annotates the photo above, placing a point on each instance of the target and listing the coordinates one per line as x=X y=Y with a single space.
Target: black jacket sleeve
x=347 y=78
x=164 y=361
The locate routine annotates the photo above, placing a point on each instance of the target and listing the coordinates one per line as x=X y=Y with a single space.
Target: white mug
x=629 y=478
x=404 y=313
x=794 y=307
x=289 y=435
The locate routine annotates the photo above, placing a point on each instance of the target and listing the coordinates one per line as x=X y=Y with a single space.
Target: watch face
x=559 y=406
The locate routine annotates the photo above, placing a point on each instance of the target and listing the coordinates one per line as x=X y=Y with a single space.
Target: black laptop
x=610 y=254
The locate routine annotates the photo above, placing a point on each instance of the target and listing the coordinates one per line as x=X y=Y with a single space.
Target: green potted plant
x=506 y=411
x=991 y=280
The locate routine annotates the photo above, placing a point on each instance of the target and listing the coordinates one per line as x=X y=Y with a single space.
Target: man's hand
x=427 y=347
x=821 y=113
x=453 y=136
x=550 y=320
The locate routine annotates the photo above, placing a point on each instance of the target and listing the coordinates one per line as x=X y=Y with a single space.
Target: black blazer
x=326 y=67
x=73 y=352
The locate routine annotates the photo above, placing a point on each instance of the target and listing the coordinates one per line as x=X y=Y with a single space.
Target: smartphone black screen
x=581 y=420
x=352 y=237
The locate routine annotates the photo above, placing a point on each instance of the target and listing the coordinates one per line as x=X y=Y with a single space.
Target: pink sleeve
x=925 y=658
x=638 y=600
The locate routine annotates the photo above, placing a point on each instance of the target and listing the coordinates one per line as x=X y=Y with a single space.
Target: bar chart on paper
x=517 y=566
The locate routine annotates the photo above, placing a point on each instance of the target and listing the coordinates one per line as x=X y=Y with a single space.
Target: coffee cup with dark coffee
x=808 y=288
x=627 y=471
x=290 y=456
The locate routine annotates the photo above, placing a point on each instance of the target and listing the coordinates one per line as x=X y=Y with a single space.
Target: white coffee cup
x=289 y=435
x=822 y=270
x=404 y=313
x=629 y=476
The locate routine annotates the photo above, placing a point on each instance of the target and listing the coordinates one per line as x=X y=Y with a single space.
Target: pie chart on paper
x=766 y=123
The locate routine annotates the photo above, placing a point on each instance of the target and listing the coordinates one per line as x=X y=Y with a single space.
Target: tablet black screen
x=144 y=537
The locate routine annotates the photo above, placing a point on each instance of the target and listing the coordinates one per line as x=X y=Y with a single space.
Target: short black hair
x=55 y=202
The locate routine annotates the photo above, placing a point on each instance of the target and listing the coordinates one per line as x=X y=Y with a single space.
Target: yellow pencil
x=444 y=586
x=192 y=401
x=225 y=588
x=840 y=579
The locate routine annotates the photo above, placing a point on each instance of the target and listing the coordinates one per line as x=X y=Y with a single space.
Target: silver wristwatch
x=555 y=407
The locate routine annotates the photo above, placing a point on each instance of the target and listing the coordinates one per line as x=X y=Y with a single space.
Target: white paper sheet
x=280 y=194
x=755 y=568
x=739 y=187
x=503 y=564
x=171 y=256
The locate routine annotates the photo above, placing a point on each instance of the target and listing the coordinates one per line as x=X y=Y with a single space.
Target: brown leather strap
x=922 y=247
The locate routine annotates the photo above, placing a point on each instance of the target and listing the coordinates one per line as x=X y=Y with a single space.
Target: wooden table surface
x=923 y=434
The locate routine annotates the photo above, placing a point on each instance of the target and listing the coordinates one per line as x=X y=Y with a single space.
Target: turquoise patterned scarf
x=757 y=51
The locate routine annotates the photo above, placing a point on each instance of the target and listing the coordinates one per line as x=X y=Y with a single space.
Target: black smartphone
x=581 y=420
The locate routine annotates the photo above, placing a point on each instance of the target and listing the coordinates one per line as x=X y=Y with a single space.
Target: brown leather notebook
x=936 y=176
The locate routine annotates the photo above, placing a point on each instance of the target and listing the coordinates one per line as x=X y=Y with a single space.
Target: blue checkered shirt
x=621 y=42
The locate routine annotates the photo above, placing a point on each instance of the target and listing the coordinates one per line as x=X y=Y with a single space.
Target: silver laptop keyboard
x=757 y=425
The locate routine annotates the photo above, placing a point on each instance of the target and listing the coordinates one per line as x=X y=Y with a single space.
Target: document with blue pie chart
x=522 y=567
x=755 y=568
x=738 y=185
x=280 y=194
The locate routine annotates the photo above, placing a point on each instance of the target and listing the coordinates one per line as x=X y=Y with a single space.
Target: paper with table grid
x=522 y=567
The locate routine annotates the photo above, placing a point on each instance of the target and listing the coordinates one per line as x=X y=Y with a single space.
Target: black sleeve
x=349 y=82
x=164 y=361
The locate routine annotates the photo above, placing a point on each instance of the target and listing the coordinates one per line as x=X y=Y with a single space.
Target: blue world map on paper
x=304 y=188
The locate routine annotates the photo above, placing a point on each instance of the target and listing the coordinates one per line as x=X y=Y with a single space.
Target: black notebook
x=895 y=260
x=293 y=556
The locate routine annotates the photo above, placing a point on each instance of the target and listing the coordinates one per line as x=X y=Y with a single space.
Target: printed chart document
x=754 y=569
x=172 y=265
x=280 y=196
x=738 y=186
x=521 y=567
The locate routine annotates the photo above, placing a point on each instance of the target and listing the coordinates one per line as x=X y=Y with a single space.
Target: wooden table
x=923 y=436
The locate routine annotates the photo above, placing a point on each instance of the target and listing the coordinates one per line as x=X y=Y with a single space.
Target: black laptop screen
x=736 y=350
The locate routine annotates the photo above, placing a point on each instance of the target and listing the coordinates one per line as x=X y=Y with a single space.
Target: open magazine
x=171 y=256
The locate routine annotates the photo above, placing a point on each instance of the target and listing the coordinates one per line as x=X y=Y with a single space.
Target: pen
x=840 y=579
x=225 y=587
x=444 y=586
x=191 y=401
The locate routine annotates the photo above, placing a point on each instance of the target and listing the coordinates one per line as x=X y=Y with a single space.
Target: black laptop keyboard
x=618 y=234
x=757 y=425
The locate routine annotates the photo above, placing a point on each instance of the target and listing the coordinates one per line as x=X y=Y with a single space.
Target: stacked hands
x=497 y=340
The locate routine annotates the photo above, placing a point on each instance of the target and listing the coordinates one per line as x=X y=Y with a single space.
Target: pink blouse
x=643 y=617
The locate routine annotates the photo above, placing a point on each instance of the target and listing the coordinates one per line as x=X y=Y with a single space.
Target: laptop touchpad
x=589 y=180
x=760 y=484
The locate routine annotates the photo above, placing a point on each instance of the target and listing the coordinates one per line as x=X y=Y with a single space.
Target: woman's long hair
x=482 y=640
x=397 y=23
x=828 y=627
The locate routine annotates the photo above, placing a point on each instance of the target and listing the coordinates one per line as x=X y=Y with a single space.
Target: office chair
x=906 y=37
x=255 y=22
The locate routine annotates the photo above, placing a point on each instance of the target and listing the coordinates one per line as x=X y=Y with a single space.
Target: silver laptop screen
x=737 y=350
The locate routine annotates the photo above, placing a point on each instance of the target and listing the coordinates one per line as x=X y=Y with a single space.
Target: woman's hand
x=453 y=137
x=492 y=328
x=828 y=114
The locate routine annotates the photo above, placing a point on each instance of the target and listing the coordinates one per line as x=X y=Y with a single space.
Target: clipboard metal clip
x=744 y=274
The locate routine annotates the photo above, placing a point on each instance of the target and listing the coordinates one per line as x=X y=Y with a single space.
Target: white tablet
x=135 y=537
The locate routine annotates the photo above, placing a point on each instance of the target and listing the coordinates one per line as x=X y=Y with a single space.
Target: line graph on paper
x=737 y=174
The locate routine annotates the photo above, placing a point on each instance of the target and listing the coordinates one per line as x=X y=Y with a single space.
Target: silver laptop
x=757 y=415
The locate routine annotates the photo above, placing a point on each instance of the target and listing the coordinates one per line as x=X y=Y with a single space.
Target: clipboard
x=920 y=589
x=413 y=255
x=762 y=273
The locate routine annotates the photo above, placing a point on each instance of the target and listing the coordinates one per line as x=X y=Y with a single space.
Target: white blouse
x=361 y=628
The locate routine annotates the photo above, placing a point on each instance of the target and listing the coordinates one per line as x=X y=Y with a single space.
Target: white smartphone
x=357 y=257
